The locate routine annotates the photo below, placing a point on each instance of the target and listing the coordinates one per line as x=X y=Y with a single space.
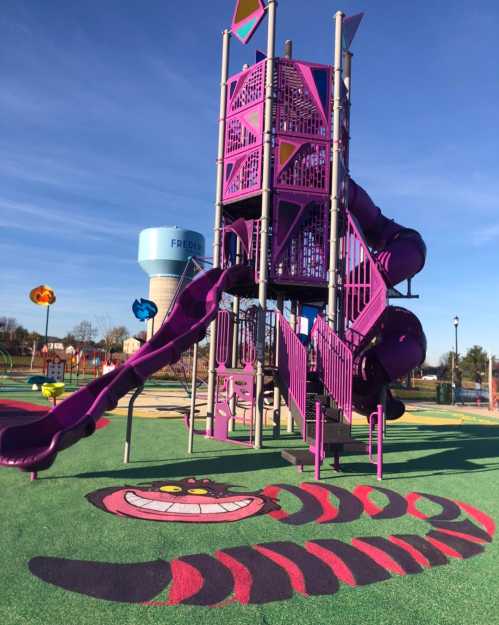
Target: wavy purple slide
x=401 y=343
x=34 y=446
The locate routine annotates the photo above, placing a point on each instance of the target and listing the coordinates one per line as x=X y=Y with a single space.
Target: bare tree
x=84 y=332
x=8 y=326
x=114 y=337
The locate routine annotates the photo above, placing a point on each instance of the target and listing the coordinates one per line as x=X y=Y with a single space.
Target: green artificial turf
x=51 y=517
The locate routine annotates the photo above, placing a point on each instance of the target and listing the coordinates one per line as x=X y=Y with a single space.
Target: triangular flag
x=247 y=16
x=259 y=55
x=350 y=25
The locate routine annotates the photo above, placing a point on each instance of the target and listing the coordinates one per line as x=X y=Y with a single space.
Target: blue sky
x=108 y=124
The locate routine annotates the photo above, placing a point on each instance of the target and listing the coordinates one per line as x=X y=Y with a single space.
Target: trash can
x=444 y=393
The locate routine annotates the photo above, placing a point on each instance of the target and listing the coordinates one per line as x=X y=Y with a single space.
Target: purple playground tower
x=287 y=209
x=291 y=229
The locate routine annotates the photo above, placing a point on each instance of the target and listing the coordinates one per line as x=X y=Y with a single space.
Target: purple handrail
x=292 y=365
x=334 y=365
x=365 y=291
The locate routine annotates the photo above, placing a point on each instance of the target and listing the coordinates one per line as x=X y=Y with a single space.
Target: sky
x=108 y=125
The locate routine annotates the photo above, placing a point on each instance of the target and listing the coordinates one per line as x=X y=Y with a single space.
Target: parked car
x=431 y=376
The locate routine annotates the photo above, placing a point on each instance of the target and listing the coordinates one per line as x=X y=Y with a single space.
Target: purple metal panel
x=242 y=174
x=224 y=337
x=300 y=234
x=292 y=365
x=246 y=88
x=302 y=165
x=247 y=336
x=334 y=365
x=303 y=99
x=244 y=130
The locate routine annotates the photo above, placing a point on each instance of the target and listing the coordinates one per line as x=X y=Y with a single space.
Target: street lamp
x=454 y=361
x=456 y=323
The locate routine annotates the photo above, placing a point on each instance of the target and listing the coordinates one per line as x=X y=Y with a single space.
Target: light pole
x=455 y=377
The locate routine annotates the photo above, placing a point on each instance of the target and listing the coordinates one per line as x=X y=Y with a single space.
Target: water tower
x=163 y=254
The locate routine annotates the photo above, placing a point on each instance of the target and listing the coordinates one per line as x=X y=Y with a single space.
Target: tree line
x=18 y=340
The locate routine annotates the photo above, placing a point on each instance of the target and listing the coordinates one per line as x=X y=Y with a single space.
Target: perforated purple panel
x=244 y=130
x=300 y=239
x=303 y=99
x=243 y=174
x=246 y=88
x=306 y=170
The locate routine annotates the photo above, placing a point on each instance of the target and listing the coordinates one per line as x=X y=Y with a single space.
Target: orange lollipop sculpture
x=43 y=295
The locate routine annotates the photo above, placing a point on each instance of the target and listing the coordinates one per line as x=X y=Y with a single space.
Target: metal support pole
x=224 y=73
x=292 y=321
x=335 y=186
x=288 y=49
x=129 y=419
x=277 y=389
x=264 y=221
x=192 y=411
x=236 y=305
x=491 y=382
x=47 y=328
x=453 y=379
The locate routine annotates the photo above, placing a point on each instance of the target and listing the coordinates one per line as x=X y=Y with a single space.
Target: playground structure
x=291 y=225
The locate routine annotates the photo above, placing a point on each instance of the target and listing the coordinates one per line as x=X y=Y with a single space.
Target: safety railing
x=333 y=362
x=292 y=366
x=364 y=289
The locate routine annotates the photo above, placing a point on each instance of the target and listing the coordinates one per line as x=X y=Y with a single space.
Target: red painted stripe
x=273 y=491
x=330 y=512
x=379 y=556
x=417 y=555
x=362 y=493
x=445 y=549
x=242 y=577
x=412 y=498
x=484 y=519
x=102 y=423
x=468 y=537
x=186 y=582
x=293 y=571
x=336 y=564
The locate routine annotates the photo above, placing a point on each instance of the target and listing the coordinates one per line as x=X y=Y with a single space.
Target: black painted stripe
x=270 y=582
x=127 y=583
x=401 y=557
x=218 y=581
x=429 y=551
x=462 y=546
x=363 y=568
x=319 y=578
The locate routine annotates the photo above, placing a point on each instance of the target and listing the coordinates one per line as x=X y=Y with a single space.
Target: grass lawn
x=51 y=518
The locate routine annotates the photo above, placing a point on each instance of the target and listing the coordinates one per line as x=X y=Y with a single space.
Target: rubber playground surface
x=297 y=553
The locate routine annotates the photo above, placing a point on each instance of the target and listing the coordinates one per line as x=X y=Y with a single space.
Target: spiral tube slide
x=34 y=446
x=399 y=340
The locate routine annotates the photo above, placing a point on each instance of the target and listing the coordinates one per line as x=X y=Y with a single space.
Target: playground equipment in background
x=290 y=225
x=53 y=390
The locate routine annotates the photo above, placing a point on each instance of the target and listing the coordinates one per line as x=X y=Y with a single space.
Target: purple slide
x=34 y=446
x=401 y=343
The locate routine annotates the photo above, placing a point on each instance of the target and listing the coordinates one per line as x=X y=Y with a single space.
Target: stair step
x=333 y=432
x=299 y=457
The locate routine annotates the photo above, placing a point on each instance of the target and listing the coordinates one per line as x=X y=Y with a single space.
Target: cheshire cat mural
x=271 y=571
